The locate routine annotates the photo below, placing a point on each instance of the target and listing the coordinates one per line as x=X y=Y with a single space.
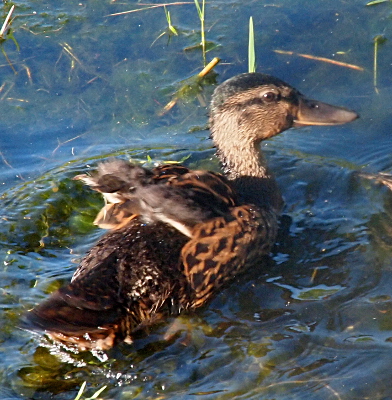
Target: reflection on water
x=314 y=321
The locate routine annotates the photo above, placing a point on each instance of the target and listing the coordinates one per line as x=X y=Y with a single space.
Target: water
x=314 y=321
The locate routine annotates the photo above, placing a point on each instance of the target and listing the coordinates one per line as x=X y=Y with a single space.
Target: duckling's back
x=193 y=241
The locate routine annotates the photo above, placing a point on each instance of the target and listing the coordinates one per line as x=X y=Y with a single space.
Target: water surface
x=312 y=322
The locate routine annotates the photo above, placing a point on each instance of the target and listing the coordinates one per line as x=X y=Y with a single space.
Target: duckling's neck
x=242 y=159
x=246 y=167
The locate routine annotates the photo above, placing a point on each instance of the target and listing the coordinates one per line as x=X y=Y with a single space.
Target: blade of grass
x=251 y=48
x=81 y=390
x=168 y=19
x=6 y=22
x=93 y=397
x=5 y=33
x=97 y=393
x=201 y=13
x=379 y=39
x=374 y=2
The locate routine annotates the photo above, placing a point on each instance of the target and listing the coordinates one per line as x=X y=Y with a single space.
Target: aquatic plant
x=201 y=14
x=94 y=396
x=251 y=48
x=6 y=33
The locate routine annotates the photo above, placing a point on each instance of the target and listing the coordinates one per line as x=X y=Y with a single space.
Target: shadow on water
x=313 y=321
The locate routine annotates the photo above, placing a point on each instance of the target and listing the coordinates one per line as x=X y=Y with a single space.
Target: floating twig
x=5 y=161
x=4 y=95
x=65 y=142
x=149 y=7
x=190 y=85
x=68 y=49
x=211 y=65
x=323 y=59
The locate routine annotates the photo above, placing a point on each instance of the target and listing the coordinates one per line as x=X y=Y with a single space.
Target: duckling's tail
x=88 y=316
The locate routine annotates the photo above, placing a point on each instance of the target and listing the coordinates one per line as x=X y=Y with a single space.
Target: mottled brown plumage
x=176 y=235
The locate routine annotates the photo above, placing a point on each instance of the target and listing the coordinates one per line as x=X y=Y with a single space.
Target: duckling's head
x=259 y=106
x=251 y=107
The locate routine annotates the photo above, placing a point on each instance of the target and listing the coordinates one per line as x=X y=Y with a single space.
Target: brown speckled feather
x=107 y=297
x=223 y=247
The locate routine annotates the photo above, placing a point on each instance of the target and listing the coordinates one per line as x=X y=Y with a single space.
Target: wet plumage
x=176 y=236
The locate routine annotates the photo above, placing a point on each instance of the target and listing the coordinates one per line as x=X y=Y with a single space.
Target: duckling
x=176 y=236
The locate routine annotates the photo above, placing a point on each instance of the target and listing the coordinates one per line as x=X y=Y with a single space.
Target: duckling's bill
x=314 y=112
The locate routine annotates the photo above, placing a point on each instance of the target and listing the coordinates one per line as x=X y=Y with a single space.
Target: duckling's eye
x=269 y=97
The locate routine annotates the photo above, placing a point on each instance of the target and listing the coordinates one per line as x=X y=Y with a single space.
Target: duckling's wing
x=185 y=200
x=171 y=194
x=188 y=199
x=220 y=248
